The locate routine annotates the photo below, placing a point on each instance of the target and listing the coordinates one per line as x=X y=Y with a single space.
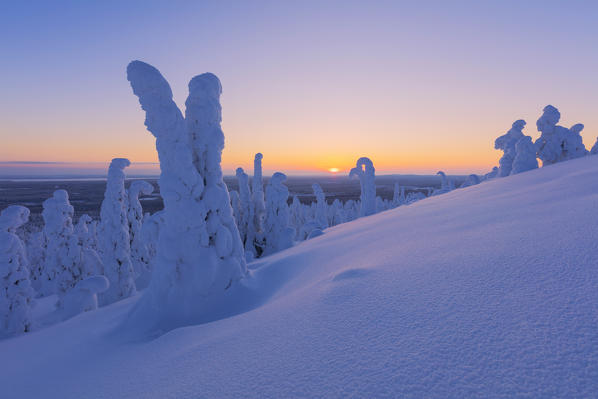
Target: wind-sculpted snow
x=16 y=293
x=485 y=292
x=364 y=170
x=115 y=246
x=507 y=143
x=246 y=213
x=199 y=253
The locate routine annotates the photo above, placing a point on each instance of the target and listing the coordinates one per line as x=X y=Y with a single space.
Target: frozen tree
x=150 y=231
x=246 y=220
x=506 y=143
x=36 y=252
x=525 y=158
x=259 y=205
x=16 y=293
x=199 y=254
x=492 y=174
x=595 y=148
x=557 y=143
x=139 y=252
x=471 y=180
x=90 y=262
x=297 y=211
x=364 y=170
x=321 y=214
x=336 y=213
x=398 y=195
x=446 y=184
x=64 y=265
x=574 y=143
x=277 y=233
x=352 y=209
x=115 y=247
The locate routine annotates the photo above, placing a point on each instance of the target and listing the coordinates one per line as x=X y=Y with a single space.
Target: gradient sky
x=417 y=86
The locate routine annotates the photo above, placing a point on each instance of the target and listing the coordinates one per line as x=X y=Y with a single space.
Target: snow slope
x=488 y=291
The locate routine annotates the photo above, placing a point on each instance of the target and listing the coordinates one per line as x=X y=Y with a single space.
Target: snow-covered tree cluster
x=187 y=256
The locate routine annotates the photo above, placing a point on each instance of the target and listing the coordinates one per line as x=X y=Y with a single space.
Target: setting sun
x=333 y=170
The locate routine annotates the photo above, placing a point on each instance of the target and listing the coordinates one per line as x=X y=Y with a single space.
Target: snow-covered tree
x=199 y=254
x=321 y=214
x=594 y=150
x=297 y=210
x=492 y=174
x=259 y=204
x=150 y=232
x=83 y=296
x=90 y=262
x=364 y=170
x=115 y=247
x=246 y=218
x=278 y=235
x=139 y=252
x=525 y=158
x=506 y=143
x=63 y=261
x=398 y=195
x=36 y=253
x=16 y=293
x=336 y=213
x=557 y=143
x=471 y=180
x=446 y=184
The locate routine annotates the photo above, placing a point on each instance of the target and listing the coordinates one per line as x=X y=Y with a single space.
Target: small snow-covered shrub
x=557 y=143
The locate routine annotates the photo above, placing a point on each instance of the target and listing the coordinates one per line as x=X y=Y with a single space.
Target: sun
x=333 y=170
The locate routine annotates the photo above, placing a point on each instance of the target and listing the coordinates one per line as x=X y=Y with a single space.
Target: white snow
x=488 y=291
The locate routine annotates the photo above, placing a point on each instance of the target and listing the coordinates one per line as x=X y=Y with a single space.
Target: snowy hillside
x=487 y=291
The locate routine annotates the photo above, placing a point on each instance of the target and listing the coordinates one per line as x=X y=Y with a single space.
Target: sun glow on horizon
x=334 y=170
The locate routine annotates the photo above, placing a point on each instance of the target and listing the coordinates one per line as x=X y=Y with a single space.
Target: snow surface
x=488 y=291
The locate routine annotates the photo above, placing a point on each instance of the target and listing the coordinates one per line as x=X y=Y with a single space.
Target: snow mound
x=488 y=291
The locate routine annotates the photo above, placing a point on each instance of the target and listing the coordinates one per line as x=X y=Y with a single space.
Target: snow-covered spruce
x=246 y=214
x=36 y=253
x=471 y=180
x=83 y=297
x=277 y=233
x=446 y=184
x=321 y=215
x=594 y=150
x=364 y=170
x=115 y=248
x=257 y=195
x=557 y=143
x=398 y=195
x=63 y=261
x=139 y=251
x=506 y=143
x=16 y=293
x=90 y=262
x=199 y=254
x=525 y=156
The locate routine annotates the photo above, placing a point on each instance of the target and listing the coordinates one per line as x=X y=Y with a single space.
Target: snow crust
x=487 y=291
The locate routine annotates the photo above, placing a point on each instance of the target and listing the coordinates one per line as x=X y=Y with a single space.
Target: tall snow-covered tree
x=321 y=215
x=506 y=143
x=91 y=264
x=278 y=235
x=246 y=218
x=115 y=247
x=446 y=184
x=199 y=254
x=63 y=262
x=594 y=150
x=139 y=251
x=525 y=156
x=364 y=170
x=257 y=194
x=36 y=253
x=16 y=293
